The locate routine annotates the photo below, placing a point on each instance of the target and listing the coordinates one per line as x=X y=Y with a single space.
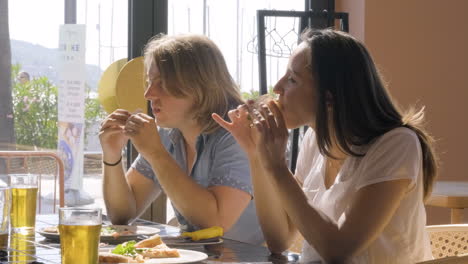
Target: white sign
x=71 y=102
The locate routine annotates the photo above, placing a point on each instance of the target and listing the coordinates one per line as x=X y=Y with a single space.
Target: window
x=34 y=34
x=232 y=26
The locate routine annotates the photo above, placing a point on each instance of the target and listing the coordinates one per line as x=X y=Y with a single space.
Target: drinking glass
x=5 y=204
x=24 y=200
x=24 y=250
x=79 y=230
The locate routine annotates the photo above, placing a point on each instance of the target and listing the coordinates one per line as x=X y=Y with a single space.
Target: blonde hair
x=193 y=66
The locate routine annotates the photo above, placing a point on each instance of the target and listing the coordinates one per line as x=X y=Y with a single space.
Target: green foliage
x=250 y=95
x=35 y=111
x=35 y=108
x=255 y=94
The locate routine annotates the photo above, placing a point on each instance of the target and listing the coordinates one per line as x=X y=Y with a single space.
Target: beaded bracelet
x=112 y=164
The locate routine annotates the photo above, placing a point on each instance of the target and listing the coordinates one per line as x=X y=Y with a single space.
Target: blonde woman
x=182 y=151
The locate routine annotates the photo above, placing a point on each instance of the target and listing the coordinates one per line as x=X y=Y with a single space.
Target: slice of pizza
x=105 y=257
x=51 y=229
x=149 y=242
x=161 y=251
x=132 y=252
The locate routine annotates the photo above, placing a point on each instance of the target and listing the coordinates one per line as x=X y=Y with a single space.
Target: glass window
x=232 y=25
x=106 y=42
x=34 y=37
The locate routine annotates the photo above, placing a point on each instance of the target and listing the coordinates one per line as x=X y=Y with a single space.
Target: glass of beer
x=79 y=230
x=24 y=250
x=5 y=204
x=24 y=200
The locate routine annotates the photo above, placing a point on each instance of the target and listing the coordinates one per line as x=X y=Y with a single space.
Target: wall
x=421 y=47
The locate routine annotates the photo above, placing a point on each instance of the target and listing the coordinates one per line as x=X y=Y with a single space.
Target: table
x=35 y=249
x=453 y=195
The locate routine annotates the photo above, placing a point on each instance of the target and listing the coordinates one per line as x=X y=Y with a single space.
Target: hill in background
x=39 y=61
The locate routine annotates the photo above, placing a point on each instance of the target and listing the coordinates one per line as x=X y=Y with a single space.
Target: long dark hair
x=347 y=79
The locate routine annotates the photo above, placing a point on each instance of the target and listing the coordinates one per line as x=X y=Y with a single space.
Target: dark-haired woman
x=364 y=167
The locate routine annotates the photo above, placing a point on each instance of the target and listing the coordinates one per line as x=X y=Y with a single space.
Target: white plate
x=186 y=256
x=176 y=242
x=138 y=230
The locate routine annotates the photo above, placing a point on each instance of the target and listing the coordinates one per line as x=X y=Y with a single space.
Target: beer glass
x=24 y=250
x=79 y=230
x=24 y=200
x=5 y=203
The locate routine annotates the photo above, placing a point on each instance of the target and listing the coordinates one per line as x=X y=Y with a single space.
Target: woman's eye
x=291 y=80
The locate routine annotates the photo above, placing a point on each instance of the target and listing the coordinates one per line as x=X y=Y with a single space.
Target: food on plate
x=107 y=257
x=114 y=231
x=132 y=252
x=161 y=251
x=51 y=229
x=214 y=231
x=149 y=242
x=117 y=232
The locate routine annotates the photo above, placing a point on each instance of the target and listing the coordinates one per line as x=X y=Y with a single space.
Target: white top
x=395 y=155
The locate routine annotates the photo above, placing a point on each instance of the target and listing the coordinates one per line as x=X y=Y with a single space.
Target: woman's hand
x=273 y=136
x=143 y=131
x=111 y=134
x=241 y=127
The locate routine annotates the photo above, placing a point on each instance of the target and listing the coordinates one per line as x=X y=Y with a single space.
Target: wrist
x=111 y=156
x=277 y=167
x=112 y=163
x=159 y=155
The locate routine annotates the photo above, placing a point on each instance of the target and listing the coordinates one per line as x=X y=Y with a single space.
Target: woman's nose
x=150 y=92
x=277 y=89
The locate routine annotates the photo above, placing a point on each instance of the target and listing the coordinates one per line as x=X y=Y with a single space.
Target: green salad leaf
x=107 y=230
x=127 y=248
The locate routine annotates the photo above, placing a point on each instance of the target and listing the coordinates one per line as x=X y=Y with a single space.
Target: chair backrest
x=48 y=165
x=448 y=240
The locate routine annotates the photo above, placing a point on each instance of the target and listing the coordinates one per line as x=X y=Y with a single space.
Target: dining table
x=36 y=249
x=453 y=195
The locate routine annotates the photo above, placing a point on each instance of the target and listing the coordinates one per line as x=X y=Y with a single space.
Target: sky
x=103 y=45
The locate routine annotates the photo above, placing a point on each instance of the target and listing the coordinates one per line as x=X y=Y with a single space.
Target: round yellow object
x=106 y=87
x=130 y=86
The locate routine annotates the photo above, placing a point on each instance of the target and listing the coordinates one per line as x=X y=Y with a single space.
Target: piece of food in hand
x=214 y=231
x=149 y=242
x=161 y=251
x=107 y=257
x=255 y=104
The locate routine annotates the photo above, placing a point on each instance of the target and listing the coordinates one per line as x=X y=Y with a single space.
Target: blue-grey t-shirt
x=219 y=162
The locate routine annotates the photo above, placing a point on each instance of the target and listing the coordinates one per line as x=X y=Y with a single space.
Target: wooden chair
x=43 y=163
x=448 y=240
x=449 y=244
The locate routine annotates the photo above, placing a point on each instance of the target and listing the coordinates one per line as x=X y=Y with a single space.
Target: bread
x=161 y=251
x=105 y=257
x=149 y=242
